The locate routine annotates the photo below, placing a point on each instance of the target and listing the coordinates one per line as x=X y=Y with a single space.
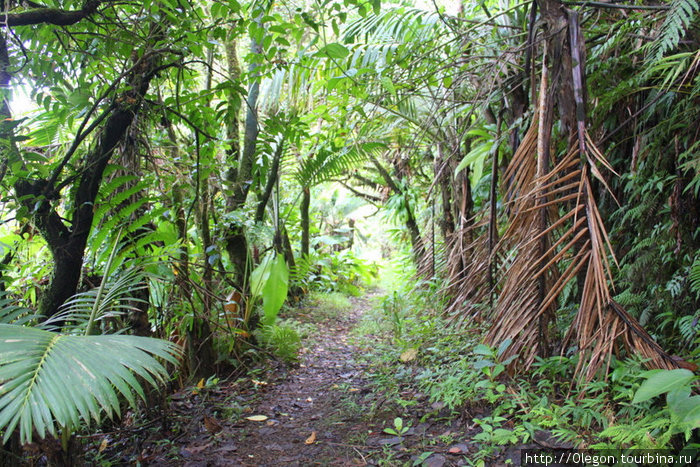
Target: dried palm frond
x=519 y=316
x=578 y=241
x=468 y=262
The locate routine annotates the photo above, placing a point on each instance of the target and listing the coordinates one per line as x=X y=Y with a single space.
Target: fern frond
x=694 y=277
x=674 y=27
x=328 y=163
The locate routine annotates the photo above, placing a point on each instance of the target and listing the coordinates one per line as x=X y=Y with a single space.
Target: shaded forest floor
x=325 y=410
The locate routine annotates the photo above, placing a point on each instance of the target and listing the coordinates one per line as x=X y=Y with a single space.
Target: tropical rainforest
x=357 y=232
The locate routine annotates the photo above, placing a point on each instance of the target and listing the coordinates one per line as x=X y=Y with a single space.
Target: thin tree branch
x=54 y=16
x=617 y=6
x=373 y=199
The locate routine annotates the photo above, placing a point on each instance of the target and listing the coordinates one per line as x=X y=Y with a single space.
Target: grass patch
x=330 y=305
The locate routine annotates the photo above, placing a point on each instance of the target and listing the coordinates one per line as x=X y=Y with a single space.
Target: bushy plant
x=282 y=340
x=339 y=272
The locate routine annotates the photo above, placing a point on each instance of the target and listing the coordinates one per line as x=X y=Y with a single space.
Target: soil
x=323 y=411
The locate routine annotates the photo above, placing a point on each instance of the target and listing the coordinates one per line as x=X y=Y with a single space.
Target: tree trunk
x=241 y=178
x=411 y=224
x=305 y=223
x=67 y=246
x=271 y=180
x=443 y=172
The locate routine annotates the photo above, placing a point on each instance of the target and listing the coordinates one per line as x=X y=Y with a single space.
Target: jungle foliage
x=165 y=170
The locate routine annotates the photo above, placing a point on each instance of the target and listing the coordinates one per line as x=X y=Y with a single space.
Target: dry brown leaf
x=197 y=449
x=257 y=418
x=311 y=439
x=103 y=445
x=409 y=355
x=212 y=425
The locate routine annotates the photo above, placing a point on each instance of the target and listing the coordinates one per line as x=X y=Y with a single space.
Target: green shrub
x=282 y=339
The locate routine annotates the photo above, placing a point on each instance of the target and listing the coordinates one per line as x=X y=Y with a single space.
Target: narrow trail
x=321 y=412
x=308 y=420
x=308 y=414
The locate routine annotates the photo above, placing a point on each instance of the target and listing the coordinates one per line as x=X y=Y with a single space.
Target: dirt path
x=309 y=413
x=321 y=412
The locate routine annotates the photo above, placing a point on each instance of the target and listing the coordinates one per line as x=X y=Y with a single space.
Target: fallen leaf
x=436 y=460
x=227 y=448
x=103 y=445
x=392 y=441
x=454 y=450
x=198 y=387
x=409 y=355
x=197 y=449
x=311 y=439
x=211 y=424
x=257 y=418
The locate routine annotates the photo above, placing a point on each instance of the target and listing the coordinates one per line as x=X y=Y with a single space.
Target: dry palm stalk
x=519 y=315
x=550 y=254
x=600 y=321
x=467 y=282
x=577 y=242
x=518 y=312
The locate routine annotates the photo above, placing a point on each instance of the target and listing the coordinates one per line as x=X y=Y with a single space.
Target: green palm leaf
x=114 y=297
x=49 y=380
x=11 y=313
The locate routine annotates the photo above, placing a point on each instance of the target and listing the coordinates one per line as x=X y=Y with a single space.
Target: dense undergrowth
x=458 y=375
x=177 y=177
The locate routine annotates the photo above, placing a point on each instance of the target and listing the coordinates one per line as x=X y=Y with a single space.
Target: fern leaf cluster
x=328 y=163
x=674 y=27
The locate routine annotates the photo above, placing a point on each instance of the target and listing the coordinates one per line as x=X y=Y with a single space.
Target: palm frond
x=115 y=298
x=394 y=25
x=578 y=240
x=13 y=314
x=467 y=266
x=50 y=381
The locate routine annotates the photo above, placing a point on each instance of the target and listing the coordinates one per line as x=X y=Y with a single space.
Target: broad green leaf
x=475 y=158
x=275 y=290
x=479 y=364
x=482 y=349
x=389 y=85
x=504 y=346
x=259 y=276
x=691 y=415
x=661 y=382
x=334 y=50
